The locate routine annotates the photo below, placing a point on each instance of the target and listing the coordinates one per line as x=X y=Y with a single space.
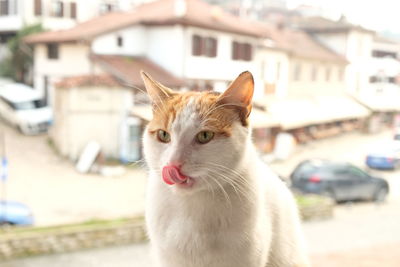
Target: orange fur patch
x=213 y=116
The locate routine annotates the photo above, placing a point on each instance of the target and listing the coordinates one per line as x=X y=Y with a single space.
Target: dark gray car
x=340 y=181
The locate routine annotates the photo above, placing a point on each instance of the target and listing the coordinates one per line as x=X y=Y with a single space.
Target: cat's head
x=196 y=140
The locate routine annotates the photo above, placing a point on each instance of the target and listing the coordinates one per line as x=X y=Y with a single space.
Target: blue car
x=387 y=157
x=15 y=213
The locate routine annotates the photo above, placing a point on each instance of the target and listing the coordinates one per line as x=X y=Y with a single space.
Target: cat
x=210 y=200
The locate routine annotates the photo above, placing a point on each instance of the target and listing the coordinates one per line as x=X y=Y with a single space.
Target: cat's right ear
x=156 y=91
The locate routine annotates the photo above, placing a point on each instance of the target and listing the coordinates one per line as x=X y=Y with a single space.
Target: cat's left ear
x=157 y=92
x=239 y=95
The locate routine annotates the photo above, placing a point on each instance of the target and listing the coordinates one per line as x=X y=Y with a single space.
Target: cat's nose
x=176 y=163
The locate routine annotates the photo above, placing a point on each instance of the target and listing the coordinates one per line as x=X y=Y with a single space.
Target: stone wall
x=27 y=243
x=314 y=207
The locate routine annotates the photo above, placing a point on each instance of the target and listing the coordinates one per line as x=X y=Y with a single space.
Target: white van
x=24 y=108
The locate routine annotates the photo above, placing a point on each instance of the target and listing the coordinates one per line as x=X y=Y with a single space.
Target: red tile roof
x=298 y=43
x=162 y=12
x=88 y=81
x=128 y=70
x=324 y=25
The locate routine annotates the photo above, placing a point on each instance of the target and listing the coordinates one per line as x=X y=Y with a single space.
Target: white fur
x=214 y=224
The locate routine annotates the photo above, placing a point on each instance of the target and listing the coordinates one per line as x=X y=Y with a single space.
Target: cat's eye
x=163 y=136
x=204 y=137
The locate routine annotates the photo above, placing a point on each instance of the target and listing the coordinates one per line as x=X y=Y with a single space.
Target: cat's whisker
x=239 y=185
x=209 y=186
x=229 y=202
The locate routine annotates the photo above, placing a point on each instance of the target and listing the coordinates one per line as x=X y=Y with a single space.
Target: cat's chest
x=203 y=227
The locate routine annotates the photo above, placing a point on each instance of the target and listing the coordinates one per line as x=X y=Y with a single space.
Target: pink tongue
x=171 y=175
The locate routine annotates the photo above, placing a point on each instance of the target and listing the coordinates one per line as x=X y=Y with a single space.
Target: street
x=57 y=193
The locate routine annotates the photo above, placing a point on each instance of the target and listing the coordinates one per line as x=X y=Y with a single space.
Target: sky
x=378 y=15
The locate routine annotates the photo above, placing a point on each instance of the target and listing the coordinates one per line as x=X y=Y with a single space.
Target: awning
x=262 y=119
x=258 y=118
x=381 y=103
x=309 y=110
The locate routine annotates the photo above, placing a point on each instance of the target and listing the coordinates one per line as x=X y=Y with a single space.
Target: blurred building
x=384 y=68
x=52 y=14
x=191 y=45
x=382 y=95
x=304 y=85
x=94 y=108
x=183 y=44
x=351 y=41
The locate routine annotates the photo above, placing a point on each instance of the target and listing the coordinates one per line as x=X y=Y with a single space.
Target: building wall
x=134 y=42
x=89 y=114
x=86 y=9
x=318 y=84
x=222 y=67
x=356 y=46
x=273 y=73
x=73 y=60
x=359 y=48
x=383 y=70
x=335 y=41
x=165 y=46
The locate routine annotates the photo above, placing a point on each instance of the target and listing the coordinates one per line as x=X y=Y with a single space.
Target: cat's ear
x=157 y=92
x=239 y=94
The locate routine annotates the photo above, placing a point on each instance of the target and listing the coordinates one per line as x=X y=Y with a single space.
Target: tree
x=19 y=61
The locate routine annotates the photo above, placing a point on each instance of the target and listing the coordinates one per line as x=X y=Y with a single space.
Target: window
x=380 y=53
x=356 y=172
x=314 y=73
x=57 y=9
x=328 y=74
x=52 y=51
x=120 y=41
x=106 y=8
x=3 y=7
x=278 y=71
x=340 y=74
x=382 y=79
x=297 y=72
x=38 y=7
x=8 y=7
x=242 y=51
x=202 y=46
x=73 y=10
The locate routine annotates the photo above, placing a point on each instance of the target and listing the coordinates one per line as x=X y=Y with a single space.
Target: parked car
x=386 y=156
x=15 y=213
x=397 y=134
x=23 y=107
x=340 y=181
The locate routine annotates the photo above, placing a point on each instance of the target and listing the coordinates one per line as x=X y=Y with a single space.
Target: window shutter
x=61 y=9
x=214 y=45
x=197 y=45
x=120 y=41
x=38 y=8
x=235 y=51
x=73 y=10
x=247 y=53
